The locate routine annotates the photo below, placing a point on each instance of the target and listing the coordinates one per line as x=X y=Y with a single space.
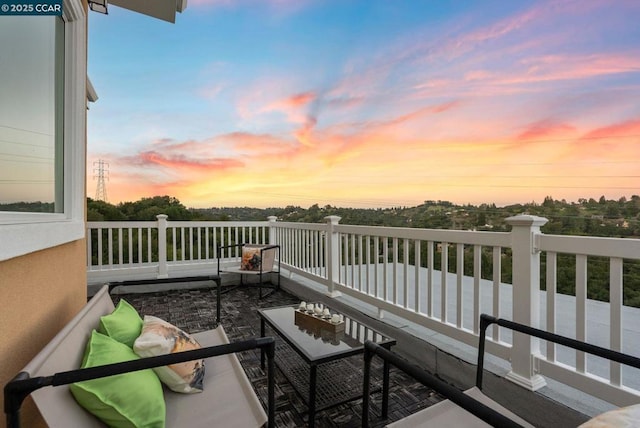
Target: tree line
x=592 y=217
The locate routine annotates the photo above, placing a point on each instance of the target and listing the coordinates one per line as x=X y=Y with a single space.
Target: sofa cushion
x=123 y=324
x=159 y=337
x=447 y=414
x=228 y=399
x=132 y=399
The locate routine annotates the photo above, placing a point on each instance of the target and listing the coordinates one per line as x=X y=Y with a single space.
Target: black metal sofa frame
x=75 y=332
x=22 y=385
x=214 y=278
x=468 y=403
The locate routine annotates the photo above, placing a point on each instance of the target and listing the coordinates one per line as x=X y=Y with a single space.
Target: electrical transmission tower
x=101 y=172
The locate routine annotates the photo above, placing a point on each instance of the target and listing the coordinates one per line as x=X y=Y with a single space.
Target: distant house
x=43 y=276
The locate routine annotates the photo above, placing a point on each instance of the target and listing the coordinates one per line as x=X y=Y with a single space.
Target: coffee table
x=338 y=380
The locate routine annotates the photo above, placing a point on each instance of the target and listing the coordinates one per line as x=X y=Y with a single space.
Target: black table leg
x=262 y=332
x=385 y=389
x=219 y=287
x=312 y=395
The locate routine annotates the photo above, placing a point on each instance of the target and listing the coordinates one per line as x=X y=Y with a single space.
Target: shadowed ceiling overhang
x=161 y=9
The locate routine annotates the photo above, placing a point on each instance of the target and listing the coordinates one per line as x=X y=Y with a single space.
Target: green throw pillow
x=129 y=400
x=123 y=324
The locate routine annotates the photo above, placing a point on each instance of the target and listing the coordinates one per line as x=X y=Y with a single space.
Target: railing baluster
x=207 y=243
x=149 y=241
x=367 y=243
x=477 y=277
x=89 y=248
x=140 y=257
x=552 y=284
x=459 y=279
x=395 y=270
x=110 y=245
x=190 y=252
x=444 y=267
x=430 y=273
x=352 y=262
x=361 y=285
x=615 y=314
x=130 y=245
x=405 y=273
x=120 y=247
x=496 y=275
x=417 y=250
x=376 y=262
x=581 y=309
x=100 y=247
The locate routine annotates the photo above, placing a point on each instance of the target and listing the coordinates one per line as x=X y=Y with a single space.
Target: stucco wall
x=39 y=293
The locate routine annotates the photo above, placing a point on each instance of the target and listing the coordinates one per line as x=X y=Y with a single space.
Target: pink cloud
x=545 y=128
x=626 y=129
x=304 y=133
x=180 y=162
x=293 y=106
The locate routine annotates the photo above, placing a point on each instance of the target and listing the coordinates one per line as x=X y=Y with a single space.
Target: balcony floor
x=194 y=310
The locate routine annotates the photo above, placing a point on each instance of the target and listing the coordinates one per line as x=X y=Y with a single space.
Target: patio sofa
x=471 y=408
x=227 y=396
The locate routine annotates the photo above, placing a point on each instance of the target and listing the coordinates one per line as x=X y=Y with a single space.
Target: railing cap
x=526 y=220
x=333 y=219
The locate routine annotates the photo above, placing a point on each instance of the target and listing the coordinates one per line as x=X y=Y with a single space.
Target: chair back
x=257 y=257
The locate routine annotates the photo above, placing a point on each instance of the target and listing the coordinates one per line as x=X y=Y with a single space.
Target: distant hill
x=602 y=217
x=592 y=217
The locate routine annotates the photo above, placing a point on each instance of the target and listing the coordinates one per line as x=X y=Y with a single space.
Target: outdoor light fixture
x=98 y=6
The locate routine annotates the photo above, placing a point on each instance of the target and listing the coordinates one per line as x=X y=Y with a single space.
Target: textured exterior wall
x=39 y=294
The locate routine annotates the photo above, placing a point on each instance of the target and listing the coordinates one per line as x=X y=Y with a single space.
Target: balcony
x=426 y=288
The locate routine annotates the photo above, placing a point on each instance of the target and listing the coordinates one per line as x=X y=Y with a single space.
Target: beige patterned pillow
x=251 y=257
x=159 y=337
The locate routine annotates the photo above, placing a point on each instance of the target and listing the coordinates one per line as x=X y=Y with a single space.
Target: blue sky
x=368 y=103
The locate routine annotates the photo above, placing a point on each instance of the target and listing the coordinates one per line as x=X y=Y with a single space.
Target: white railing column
x=526 y=298
x=272 y=230
x=333 y=254
x=162 y=246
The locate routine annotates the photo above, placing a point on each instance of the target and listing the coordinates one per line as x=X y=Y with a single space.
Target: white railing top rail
x=626 y=248
x=120 y=224
x=498 y=239
x=179 y=223
x=300 y=226
x=205 y=223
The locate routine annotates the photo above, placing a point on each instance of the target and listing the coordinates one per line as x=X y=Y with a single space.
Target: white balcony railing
x=439 y=279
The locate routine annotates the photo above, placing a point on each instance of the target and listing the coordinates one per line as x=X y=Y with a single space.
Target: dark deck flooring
x=194 y=310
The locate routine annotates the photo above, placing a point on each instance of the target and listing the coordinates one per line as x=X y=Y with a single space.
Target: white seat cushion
x=447 y=414
x=228 y=398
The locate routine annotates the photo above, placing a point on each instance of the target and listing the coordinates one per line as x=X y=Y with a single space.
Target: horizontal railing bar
x=590 y=246
x=499 y=239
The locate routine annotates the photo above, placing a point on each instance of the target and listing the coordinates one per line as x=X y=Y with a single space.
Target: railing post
x=526 y=298
x=333 y=252
x=162 y=246
x=272 y=225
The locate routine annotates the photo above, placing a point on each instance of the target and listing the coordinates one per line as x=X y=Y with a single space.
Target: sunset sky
x=371 y=103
